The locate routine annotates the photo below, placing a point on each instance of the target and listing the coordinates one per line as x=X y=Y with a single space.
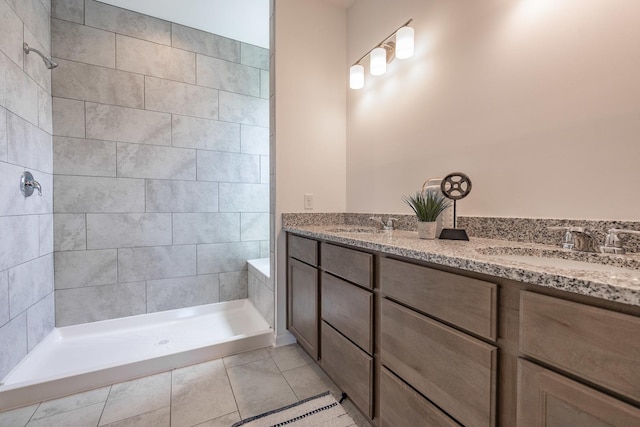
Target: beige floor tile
x=242 y=358
x=310 y=380
x=17 y=417
x=81 y=417
x=137 y=397
x=69 y=403
x=290 y=357
x=200 y=393
x=158 y=418
x=259 y=387
x=224 y=421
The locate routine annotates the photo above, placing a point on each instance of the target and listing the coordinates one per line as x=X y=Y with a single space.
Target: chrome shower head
x=48 y=61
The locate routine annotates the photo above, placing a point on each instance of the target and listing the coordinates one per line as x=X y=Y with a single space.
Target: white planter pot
x=427 y=230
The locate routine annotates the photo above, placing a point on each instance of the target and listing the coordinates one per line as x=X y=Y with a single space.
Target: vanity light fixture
x=382 y=54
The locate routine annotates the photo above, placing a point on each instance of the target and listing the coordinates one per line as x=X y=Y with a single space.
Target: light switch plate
x=308 y=201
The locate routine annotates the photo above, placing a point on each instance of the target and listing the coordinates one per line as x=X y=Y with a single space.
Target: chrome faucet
x=613 y=243
x=577 y=239
x=384 y=226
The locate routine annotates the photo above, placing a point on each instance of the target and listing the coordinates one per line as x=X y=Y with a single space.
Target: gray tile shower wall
x=160 y=163
x=26 y=224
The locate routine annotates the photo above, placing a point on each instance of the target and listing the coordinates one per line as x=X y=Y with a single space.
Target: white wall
x=537 y=100
x=310 y=114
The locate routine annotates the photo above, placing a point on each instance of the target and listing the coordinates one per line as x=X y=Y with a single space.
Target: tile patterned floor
x=217 y=393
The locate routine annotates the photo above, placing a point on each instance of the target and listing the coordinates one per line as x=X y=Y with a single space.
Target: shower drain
x=163 y=342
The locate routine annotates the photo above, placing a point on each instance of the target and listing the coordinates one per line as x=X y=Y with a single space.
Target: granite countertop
x=619 y=281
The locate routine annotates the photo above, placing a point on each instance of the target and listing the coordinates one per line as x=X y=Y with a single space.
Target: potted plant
x=427 y=205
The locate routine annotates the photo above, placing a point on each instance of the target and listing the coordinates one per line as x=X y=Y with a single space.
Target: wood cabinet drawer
x=455 y=371
x=348 y=366
x=598 y=345
x=350 y=264
x=348 y=308
x=400 y=405
x=305 y=250
x=546 y=398
x=468 y=303
x=302 y=300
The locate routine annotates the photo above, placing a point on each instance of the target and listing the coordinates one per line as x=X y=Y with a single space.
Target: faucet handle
x=613 y=243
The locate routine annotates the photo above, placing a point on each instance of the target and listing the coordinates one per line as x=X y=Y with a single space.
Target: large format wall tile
x=45 y=116
x=227 y=75
x=168 y=294
x=264 y=169
x=205 y=134
x=254 y=226
x=150 y=161
x=78 y=269
x=14 y=332
x=35 y=17
x=77 y=156
x=254 y=56
x=161 y=262
x=29 y=283
x=181 y=196
x=128 y=230
x=20 y=240
x=206 y=43
x=70 y=232
x=122 y=124
x=254 y=140
x=68 y=117
x=244 y=197
x=226 y=257
x=82 y=44
x=28 y=145
x=46 y=233
x=40 y=320
x=262 y=298
x=244 y=109
x=18 y=93
x=3 y=135
x=126 y=22
x=190 y=228
x=98 y=195
x=234 y=285
x=10 y=33
x=99 y=303
x=97 y=84
x=180 y=98
x=152 y=59
x=264 y=84
x=4 y=297
x=228 y=167
x=69 y=10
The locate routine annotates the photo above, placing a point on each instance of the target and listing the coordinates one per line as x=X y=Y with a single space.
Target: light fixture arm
x=382 y=43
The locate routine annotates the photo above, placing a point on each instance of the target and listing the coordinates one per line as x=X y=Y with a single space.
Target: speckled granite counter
x=483 y=256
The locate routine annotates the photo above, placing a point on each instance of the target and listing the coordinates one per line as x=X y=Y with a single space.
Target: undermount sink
x=570 y=260
x=353 y=230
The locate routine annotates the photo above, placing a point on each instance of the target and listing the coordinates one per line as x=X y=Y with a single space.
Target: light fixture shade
x=404 y=43
x=378 y=61
x=356 y=77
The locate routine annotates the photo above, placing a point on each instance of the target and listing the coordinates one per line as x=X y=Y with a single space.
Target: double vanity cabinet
x=413 y=343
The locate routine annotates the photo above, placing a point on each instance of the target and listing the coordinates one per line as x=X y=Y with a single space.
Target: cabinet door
x=551 y=400
x=302 y=301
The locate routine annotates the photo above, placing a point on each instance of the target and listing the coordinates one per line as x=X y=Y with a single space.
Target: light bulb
x=404 y=43
x=378 y=61
x=356 y=77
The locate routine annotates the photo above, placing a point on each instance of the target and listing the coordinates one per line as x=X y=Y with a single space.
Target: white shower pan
x=76 y=358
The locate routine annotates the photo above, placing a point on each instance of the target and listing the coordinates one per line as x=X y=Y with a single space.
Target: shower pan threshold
x=77 y=358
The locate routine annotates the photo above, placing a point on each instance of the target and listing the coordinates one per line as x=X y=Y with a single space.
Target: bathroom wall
x=538 y=101
x=309 y=115
x=26 y=224
x=160 y=163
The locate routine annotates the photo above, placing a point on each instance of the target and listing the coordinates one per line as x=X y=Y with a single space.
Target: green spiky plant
x=427 y=205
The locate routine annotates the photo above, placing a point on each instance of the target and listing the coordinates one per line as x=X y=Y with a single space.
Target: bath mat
x=320 y=410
